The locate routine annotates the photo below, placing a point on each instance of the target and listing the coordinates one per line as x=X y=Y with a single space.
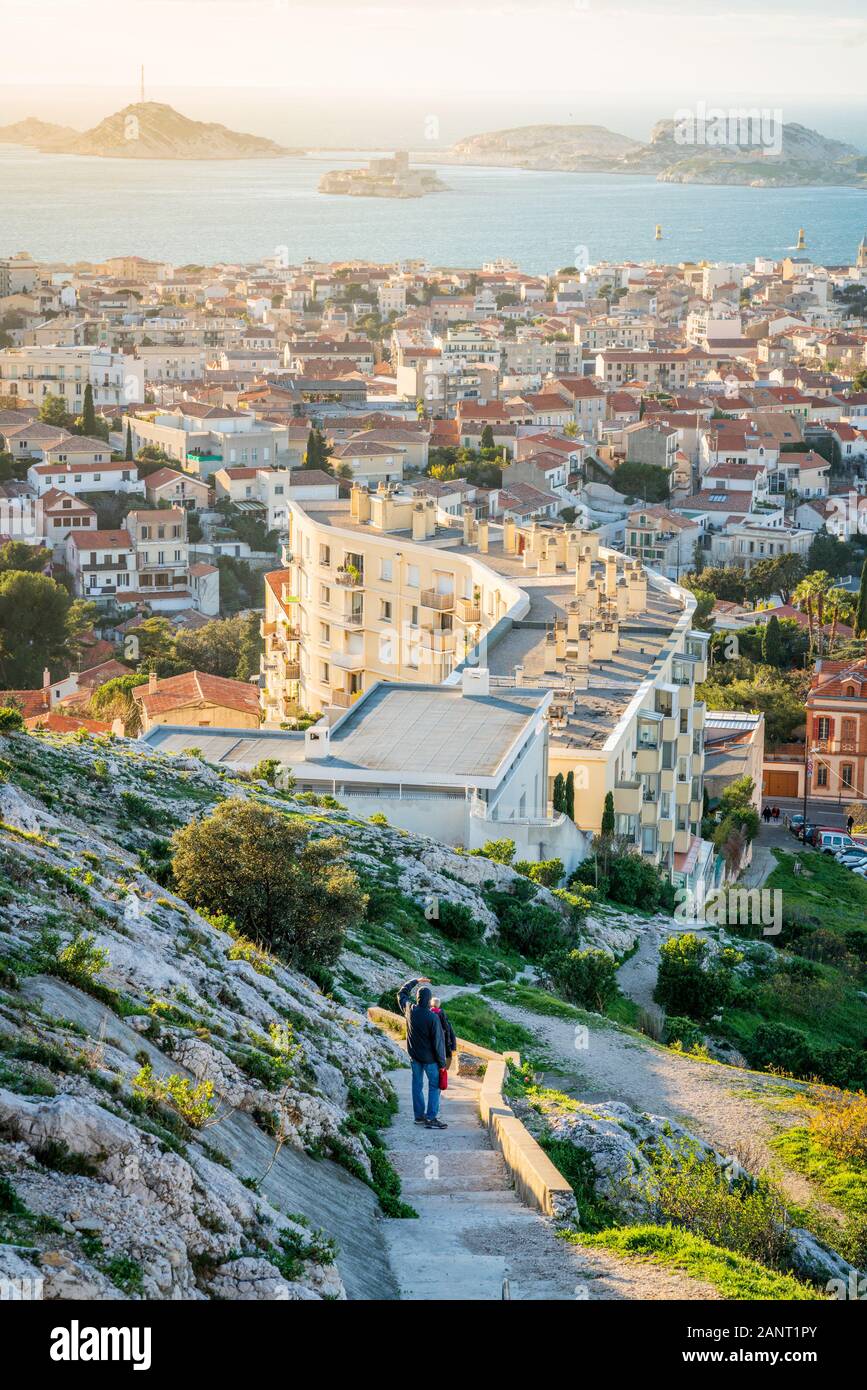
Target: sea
x=68 y=208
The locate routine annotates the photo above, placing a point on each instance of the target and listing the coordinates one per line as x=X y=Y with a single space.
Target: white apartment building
x=91 y=475
x=204 y=438
x=145 y=562
x=460 y=763
x=32 y=373
x=387 y=589
x=171 y=363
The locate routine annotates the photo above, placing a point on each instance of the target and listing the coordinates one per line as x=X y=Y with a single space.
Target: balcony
x=292 y=671
x=682 y=793
x=347 y=661
x=437 y=643
x=344 y=698
x=627 y=798
x=468 y=611
x=267 y=629
x=649 y=812
x=648 y=758
x=349 y=577
x=440 y=603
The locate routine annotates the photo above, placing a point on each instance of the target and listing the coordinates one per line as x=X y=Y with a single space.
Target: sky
x=334 y=72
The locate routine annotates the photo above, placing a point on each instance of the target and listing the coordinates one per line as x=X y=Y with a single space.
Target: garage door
x=779 y=783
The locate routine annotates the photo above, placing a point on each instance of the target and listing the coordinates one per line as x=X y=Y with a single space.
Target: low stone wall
x=537 y=1182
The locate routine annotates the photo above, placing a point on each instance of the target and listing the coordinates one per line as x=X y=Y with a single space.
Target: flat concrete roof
x=431 y=730
x=430 y=734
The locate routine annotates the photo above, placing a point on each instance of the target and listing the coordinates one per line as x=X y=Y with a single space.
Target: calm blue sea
x=66 y=208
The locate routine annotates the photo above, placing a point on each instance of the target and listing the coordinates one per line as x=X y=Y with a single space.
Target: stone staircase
x=474 y=1235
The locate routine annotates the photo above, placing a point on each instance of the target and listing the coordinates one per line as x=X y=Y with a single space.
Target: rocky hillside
x=144 y=130
x=181 y=1115
x=806 y=157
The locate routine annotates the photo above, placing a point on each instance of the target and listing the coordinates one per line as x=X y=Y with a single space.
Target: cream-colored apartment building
x=382 y=587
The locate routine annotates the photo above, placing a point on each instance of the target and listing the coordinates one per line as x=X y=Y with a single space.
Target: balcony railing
x=468 y=611
x=344 y=698
x=349 y=578
x=441 y=603
x=292 y=671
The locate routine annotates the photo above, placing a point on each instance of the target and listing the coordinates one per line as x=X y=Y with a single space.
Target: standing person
x=449 y=1037
x=766 y=814
x=850 y=821
x=425 y=1044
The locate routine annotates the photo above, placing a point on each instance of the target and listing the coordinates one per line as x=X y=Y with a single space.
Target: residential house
x=197 y=700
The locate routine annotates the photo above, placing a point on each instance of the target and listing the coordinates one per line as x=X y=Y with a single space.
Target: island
x=383 y=178
x=797 y=156
x=144 y=130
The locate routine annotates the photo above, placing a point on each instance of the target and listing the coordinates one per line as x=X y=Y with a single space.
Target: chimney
x=153 y=679
x=46 y=678
x=476 y=680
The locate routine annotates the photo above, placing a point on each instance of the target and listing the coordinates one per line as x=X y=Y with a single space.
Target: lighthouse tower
x=862 y=253
x=802 y=240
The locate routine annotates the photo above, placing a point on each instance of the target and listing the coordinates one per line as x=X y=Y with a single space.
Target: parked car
x=795 y=823
x=832 y=841
x=860 y=869
x=851 y=859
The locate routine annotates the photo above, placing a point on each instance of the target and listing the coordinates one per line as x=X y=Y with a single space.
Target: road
x=830 y=813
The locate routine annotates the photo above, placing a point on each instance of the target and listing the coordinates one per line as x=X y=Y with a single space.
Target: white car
x=860 y=869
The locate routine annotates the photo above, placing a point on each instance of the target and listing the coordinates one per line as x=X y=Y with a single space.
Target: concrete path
x=474 y=1234
x=473 y=1231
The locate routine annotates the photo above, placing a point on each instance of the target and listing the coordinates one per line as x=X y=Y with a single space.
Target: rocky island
x=695 y=150
x=144 y=130
x=383 y=178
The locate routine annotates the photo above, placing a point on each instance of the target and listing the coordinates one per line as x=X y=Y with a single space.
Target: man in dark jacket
x=426 y=1048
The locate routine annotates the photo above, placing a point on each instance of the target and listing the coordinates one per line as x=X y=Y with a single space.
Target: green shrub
x=11 y=720
x=689 y=982
x=193 y=1103
x=587 y=978
x=684 y=1032
x=457 y=922
x=288 y=892
x=689 y=1189
x=465 y=966
x=499 y=851
x=79 y=962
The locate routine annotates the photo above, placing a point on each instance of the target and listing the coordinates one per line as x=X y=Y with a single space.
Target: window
x=847 y=773
x=385 y=570
x=412 y=577
x=324 y=634
x=326 y=673
x=385 y=610
x=821 y=775
x=823 y=728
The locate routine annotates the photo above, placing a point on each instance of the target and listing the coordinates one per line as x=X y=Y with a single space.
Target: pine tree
x=128 y=451
x=88 y=414
x=608 y=821
x=772 y=646
x=559 y=795
x=487 y=439
x=861 y=610
x=569 y=806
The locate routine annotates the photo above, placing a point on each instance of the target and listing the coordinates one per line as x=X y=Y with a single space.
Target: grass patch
x=735 y=1276
x=823 y=889
x=473 y=1018
x=842 y=1181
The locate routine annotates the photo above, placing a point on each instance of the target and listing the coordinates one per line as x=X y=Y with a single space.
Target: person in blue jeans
x=426 y=1047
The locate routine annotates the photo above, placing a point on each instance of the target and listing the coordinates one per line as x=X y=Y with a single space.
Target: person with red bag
x=426 y=1047
x=449 y=1040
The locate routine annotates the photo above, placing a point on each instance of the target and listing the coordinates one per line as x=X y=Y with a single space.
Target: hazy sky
x=569 y=53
